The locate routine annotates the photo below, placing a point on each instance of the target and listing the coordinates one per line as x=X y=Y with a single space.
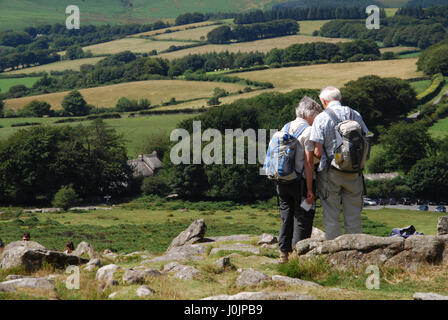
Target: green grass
x=5 y=84
x=135 y=130
x=22 y=13
x=150 y=223
x=421 y=85
x=439 y=129
x=410 y=55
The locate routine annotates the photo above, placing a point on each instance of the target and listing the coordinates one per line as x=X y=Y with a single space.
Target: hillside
x=20 y=13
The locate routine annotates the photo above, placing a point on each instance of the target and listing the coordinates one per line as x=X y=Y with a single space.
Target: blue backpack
x=279 y=164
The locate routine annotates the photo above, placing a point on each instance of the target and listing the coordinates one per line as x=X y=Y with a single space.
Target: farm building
x=146 y=165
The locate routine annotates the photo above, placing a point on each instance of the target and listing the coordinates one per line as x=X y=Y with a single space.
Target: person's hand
x=310 y=197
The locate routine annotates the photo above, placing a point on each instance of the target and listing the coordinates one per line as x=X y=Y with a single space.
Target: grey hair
x=308 y=108
x=330 y=94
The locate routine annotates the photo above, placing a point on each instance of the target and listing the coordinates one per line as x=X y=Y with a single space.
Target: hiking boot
x=284 y=257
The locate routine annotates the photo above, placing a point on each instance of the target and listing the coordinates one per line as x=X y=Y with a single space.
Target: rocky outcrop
x=251 y=277
x=354 y=250
x=295 y=281
x=134 y=276
x=107 y=272
x=429 y=296
x=263 y=296
x=33 y=255
x=85 y=248
x=193 y=234
x=187 y=273
x=186 y=252
x=237 y=247
x=442 y=226
x=27 y=283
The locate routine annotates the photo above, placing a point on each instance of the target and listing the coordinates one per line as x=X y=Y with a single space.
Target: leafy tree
x=65 y=198
x=222 y=34
x=429 y=178
x=156 y=185
x=74 y=52
x=380 y=101
x=2 y=106
x=433 y=60
x=404 y=144
x=37 y=108
x=75 y=105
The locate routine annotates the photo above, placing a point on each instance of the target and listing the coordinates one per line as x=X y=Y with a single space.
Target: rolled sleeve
x=317 y=132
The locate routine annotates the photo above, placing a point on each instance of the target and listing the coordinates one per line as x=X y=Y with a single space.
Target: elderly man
x=296 y=223
x=335 y=186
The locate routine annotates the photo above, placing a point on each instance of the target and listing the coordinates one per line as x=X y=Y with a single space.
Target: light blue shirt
x=323 y=129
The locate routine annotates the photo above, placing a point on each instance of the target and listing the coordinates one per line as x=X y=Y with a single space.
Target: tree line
x=308 y=13
x=395 y=31
x=39 y=45
x=254 y=31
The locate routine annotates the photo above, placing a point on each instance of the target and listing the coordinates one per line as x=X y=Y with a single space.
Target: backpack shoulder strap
x=300 y=130
x=333 y=116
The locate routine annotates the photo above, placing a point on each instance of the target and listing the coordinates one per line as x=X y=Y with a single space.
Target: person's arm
x=309 y=171
x=317 y=150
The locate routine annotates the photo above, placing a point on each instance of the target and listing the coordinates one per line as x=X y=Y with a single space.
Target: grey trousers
x=336 y=188
x=297 y=224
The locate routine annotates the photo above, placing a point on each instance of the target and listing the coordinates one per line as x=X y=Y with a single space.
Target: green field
x=22 y=13
x=134 y=130
x=5 y=84
x=421 y=85
x=440 y=128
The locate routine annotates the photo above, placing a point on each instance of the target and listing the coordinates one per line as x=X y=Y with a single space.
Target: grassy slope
x=318 y=76
x=134 y=130
x=58 y=66
x=157 y=91
x=21 y=13
x=5 y=84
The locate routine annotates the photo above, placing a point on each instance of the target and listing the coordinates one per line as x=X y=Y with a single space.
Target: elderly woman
x=297 y=223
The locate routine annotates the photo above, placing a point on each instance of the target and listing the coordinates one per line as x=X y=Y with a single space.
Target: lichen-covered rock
x=33 y=255
x=237 y=247
x=187 y=273
x=267 y=238
x=263 y=296
x=194 y=233
x=442 y=226
x=295 y=281
x=86 y=249
x=144 y=291
x=27 y=283
x=250 y=277
x=429 y=296
x=107 y=272
x=186 y=252
x=354 y=250
x=132 y=276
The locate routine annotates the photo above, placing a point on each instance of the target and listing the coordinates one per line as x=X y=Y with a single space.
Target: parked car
x=441 y=209
x=443 y=203
x=421 y=201
x=370 y=202
x=423 y=207
x=432 y=203
x=382 y=202
x=392 y=201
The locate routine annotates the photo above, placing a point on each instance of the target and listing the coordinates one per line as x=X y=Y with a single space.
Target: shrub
x=157 y=185
x=65 y=198
x=436 y=85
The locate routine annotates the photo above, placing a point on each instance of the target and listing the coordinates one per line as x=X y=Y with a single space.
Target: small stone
x=113 y=295
x=267 y=238
x=294 y=281
x=251 y=277
x=107 y=272
x=144 y=291
x=187 y=273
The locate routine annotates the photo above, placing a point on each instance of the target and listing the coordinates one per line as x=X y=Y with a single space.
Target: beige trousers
x=336 y=188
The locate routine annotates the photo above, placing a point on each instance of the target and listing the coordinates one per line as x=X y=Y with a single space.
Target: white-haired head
x=308 y=108
x=330 y=94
